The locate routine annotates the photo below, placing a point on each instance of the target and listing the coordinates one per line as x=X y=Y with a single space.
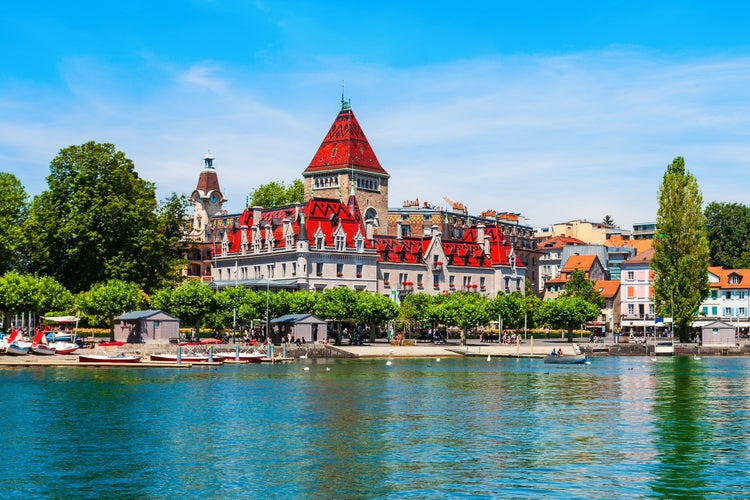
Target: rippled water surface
x=458 y=428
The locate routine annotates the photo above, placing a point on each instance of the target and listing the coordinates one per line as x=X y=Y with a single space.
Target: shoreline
x=532 y=348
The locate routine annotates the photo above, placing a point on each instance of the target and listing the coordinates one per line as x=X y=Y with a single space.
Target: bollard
x=211 y=354
x=237 y=353
x=284 y=351
x=270 y=351
x=179 y=355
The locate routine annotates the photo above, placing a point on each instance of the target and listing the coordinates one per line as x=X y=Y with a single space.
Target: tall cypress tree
x=680 y=259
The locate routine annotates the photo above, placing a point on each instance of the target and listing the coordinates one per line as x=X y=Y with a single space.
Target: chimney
x=256 y=215
x=399 y=230
x=480 y=233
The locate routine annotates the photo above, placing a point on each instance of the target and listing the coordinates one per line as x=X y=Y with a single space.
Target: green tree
x=414 y=308
x=18 y=294
x=98 y=220
x=13 y=213
x=608 y=220
x=52 y=296
x=463 y=310
x=680 y=258
x=567 y=312
x=275 y=194
x=191 y=302
x=303 y=302
x=580 y=286
x=374 y=309
x=338 y=304
x=106 y=300
x=509 y=308
x=728 y=233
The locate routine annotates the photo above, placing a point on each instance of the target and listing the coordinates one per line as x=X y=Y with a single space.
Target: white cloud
x=551 y=137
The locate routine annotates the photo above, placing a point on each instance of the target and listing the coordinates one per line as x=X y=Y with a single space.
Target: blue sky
x=555 y=110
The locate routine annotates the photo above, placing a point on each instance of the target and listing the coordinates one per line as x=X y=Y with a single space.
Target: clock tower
x=207 y=199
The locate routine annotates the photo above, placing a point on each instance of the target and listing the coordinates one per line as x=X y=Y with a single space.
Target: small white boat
x=187 y=358
x=16 y=349
x=565 y=359
x=664 y=348
x=97 y=358
x=14 y=345
x=64 y=347
x=39 y=345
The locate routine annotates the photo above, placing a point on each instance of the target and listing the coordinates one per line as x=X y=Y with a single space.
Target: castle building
x=345 y=161
x=334 y=239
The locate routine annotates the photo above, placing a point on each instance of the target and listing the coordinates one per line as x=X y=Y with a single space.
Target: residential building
x=550 y=258
x=644 y=231
x=637 y=293
x=728 y=299
x=589 y=232
x=610 y=313
x=592 y=268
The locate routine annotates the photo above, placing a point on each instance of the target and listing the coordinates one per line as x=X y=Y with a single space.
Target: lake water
x=458 y=428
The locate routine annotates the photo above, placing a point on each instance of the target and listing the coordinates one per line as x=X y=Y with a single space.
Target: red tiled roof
x=741 y=275
x=607 y=288
x=559 y=242
x=321 y=214
x=581 y=262
x=641 y=258
x=500 y=249
x=345 y=146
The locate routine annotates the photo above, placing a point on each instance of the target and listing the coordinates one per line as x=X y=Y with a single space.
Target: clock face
x=214 y=198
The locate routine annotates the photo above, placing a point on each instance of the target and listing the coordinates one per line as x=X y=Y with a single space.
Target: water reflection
x=620 y=427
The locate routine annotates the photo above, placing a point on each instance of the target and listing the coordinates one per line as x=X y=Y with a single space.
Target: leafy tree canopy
x=13 y=213
x=567 y=312
x=728 y=233
x=580 y=286
x=275 y=194
x=106 y=300
x=98 y=220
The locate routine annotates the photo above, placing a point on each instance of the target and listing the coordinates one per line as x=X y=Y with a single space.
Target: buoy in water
x=307 y=368
x=489 y=358
x=387 y=363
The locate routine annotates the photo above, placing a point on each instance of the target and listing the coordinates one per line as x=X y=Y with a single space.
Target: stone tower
x=345 y=163
x=207 y=199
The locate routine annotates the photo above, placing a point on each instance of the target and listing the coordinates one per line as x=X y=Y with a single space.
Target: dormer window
x=734 y=279
x=320 y=240
x=359 y=243
x=340 y=240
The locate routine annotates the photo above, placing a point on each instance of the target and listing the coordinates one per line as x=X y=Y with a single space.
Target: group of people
x=557 y=352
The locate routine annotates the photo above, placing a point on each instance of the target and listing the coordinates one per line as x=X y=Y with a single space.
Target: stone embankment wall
x=679 y=350
x=314 y=350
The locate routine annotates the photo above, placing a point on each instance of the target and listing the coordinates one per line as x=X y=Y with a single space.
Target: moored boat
x=39 y=345
x=64 y=347
x=16 y=349
x=243 y=357
x=186 y=358
x=565 y=359
x=664 y=348
x=98 y=358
